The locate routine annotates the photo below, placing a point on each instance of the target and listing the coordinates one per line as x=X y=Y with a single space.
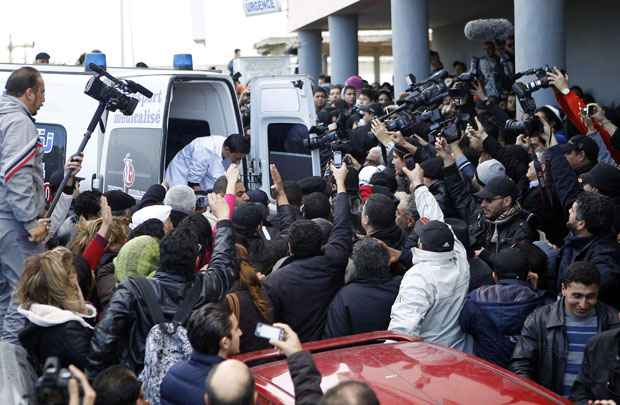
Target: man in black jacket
x=120 y=336
x=599 y=378
x=495 y=223
x=365 y=303
x=303 y=287
x=550 y=348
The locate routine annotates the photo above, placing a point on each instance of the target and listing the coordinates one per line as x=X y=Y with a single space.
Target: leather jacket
x=120 y=336
x=598 y=379
x=542 y=348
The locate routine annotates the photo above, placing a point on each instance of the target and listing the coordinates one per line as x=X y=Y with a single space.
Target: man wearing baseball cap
x=432 y=293
x=505 y=222
x=581 y=152
x=495 y=218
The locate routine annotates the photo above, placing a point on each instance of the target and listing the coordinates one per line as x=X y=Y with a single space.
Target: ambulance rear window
x=134 y=160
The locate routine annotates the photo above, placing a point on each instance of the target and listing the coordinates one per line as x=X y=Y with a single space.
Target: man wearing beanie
x=432 y=292
x=494 y=314
x=120 y=202
x=247 y=223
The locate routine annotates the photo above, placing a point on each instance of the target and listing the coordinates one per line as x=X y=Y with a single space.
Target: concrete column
x=324 y=64
x=343 y=47
x=309 y=53
x=377 y=66
x=409 y=41
x=540 y=38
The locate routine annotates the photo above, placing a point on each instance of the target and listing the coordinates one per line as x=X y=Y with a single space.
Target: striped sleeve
x=20 y=159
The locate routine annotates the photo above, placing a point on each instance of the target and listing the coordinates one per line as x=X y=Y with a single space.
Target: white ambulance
x=131 y=153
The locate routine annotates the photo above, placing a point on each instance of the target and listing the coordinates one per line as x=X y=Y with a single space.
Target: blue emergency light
x=96 y=58
x=183 y=61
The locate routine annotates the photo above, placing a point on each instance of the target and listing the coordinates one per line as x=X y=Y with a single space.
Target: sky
x=159 y=28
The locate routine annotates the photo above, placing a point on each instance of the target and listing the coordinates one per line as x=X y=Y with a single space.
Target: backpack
x=167 y=342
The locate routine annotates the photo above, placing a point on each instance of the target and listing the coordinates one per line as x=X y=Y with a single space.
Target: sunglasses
x=490 y=200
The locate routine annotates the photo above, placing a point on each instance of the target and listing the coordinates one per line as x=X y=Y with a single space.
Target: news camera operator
x=22 y=199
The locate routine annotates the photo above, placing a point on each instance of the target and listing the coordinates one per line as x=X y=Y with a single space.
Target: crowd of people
x=498 y=243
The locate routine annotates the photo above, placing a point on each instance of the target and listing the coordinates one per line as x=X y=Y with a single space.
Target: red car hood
x=407 y=373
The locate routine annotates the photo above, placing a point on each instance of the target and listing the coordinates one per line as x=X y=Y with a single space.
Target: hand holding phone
x=269 y=332
x=337 y=158
x=290 y=344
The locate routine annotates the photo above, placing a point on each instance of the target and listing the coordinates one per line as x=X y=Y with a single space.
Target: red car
x=401 y=370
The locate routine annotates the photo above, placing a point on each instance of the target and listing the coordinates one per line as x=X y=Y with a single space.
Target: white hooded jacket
x=432 y=292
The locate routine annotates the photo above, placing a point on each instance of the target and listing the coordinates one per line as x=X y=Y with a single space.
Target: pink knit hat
x=355 y=81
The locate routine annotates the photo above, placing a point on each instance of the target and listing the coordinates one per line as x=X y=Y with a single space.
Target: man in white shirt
x=205 y=159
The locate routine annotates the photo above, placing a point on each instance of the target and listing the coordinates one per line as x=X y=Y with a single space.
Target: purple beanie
x=355 y=81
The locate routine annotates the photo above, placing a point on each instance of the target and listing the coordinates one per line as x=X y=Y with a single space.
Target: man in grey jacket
x=432 y=293
x=22 y=199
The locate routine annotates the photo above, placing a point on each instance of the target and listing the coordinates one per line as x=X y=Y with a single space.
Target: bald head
x=230 y=382
x=350 y=393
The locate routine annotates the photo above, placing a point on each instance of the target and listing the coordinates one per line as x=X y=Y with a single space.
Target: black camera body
x=114 y=98
x=523 y=92
x=52 y=387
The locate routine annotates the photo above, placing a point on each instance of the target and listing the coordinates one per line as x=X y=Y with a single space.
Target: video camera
x=423 y=101
x=116 y=97
x=52 y=388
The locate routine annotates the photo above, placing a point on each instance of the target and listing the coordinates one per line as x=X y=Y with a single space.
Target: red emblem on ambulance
x=129 y=173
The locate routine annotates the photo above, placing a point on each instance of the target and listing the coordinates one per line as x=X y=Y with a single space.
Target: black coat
x=69 y=341
x=249 y=316
x=263 y=253
x=541 y=351
x=601 y=365
x=302 y=289
x=547 y=210
x=438 y=189
x=120 y=336
x=306 y=378
x=361 y=306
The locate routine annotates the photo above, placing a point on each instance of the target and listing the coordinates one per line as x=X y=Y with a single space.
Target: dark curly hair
x=87 y=204
x=597 y=211
x=303 y=239
x=178 y=251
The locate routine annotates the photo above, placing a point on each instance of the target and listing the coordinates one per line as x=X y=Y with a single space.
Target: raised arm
x=340 y=243
x=222 y=270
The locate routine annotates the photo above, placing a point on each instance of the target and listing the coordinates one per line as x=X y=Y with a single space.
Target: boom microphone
x=488 y=29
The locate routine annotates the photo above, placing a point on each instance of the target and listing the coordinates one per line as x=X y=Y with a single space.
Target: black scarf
x=392 y=236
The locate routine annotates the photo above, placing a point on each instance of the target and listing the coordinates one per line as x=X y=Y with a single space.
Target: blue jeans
x=14 y=249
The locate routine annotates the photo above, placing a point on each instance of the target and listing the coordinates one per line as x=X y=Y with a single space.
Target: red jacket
x=572 y=105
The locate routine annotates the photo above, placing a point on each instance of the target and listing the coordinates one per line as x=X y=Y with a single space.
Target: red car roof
x=401 y=370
